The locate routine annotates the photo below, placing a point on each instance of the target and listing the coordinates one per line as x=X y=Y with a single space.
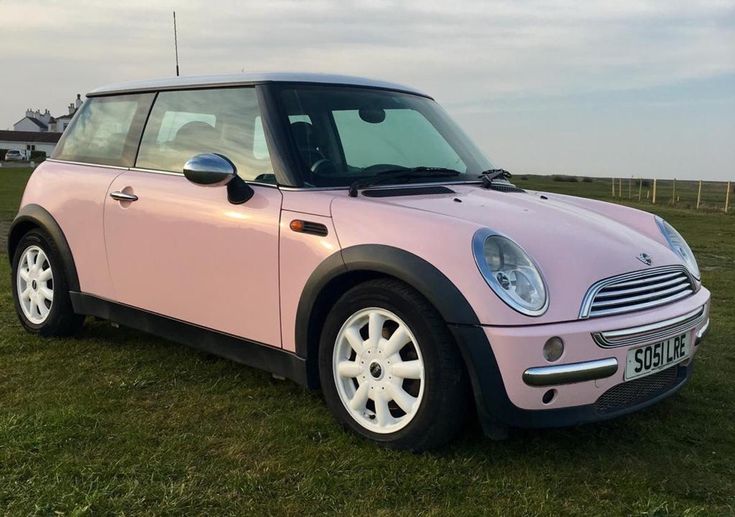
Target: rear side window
x=106 y=131
x=185 y=123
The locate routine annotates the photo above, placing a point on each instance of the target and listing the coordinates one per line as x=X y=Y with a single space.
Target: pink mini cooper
x=346 y=234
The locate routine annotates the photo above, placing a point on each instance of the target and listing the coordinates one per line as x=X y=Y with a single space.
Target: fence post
x=673 y=193
x=630 y=186
x=653 y=195
x=640 y=188
x=613 y=187
x=727 y=197
x=699 y=194
x=620 y=188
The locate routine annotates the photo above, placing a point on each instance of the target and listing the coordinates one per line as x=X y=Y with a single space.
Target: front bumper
x=513 y=381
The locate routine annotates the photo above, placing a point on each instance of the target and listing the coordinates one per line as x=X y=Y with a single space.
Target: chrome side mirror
x=210 y=169
x=216 y=170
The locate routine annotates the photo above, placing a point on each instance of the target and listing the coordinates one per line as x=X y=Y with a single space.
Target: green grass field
x=115 y=421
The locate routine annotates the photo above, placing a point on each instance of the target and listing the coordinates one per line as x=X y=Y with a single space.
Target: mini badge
x=645 y=258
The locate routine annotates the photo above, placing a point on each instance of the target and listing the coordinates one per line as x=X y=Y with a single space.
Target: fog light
x=553 y=349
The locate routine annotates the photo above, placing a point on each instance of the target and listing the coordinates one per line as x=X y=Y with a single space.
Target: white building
x=42 y=122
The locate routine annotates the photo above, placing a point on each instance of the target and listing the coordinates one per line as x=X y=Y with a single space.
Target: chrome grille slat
x=647 y=280
x=605 y=293
x=646 y=296
x=638 y=290
x=641 y=306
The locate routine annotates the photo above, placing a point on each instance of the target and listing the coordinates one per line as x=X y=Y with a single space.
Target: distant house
x=38 y=131
x=34 y=121
x=41 y=122
x=59 y=124
x=27 y=141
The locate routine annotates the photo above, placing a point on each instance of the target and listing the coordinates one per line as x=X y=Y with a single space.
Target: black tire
x=444 y=405
x=61 y=319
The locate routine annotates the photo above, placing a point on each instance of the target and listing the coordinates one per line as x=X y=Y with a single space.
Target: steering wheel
x=323 y=167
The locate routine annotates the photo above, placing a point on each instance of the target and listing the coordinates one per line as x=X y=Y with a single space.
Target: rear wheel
x=40 y=290
x=389 y=368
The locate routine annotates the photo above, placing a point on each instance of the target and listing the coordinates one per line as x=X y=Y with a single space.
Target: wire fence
x=698 y=195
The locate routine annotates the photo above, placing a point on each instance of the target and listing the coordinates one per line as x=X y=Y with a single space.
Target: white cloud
x=466 y=52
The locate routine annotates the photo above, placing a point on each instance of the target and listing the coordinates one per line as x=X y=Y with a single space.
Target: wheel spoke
x=382 y=413
x=352 y=335
x=42 y=309
x=407 y=369
x=45 y=275
x=375 y=327
x=32 y=308
x=350 y=369
x=23 y=273
x=398 y=340
x=360 y=398
x=26 y=292
x=403 y=399
x=46 y=293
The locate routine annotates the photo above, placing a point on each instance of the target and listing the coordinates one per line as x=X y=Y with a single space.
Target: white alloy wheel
x=35 y=283
x=378 y=370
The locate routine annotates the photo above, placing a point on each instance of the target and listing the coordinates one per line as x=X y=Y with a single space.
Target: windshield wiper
x=400 y=174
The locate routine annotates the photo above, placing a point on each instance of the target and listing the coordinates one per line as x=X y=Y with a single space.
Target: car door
x=183 y=250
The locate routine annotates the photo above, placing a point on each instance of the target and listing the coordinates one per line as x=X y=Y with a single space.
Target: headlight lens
x=679 y=245
x=510 y=272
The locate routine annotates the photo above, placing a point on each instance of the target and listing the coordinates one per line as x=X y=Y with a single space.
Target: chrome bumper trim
x=651 y=332
x=570 y=373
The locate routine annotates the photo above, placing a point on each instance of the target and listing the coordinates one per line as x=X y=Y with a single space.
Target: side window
x=106 y=131
x=405 y=137
x=225 y=121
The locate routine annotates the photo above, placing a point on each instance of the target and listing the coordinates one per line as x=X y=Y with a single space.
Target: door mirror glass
x=210 y=169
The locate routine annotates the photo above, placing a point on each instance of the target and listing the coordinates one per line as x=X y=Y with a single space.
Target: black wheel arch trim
x=35 y=216
x=376 y=259
x=390 y=261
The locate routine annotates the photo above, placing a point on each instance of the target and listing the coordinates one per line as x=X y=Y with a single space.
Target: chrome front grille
x=637 y=291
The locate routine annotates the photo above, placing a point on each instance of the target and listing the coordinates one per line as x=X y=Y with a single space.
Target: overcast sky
x=580 y=87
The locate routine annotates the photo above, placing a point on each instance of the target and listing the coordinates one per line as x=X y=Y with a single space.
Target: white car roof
x=204 y=81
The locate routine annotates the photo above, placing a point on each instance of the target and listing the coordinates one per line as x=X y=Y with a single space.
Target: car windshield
x=348 y=134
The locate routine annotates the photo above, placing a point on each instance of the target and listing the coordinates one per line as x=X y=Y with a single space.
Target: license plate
x=648 y=359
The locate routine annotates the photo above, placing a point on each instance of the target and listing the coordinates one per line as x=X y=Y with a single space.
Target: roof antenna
x=176 y=46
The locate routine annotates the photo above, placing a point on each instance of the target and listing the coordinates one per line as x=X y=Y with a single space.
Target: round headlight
x=679 y=245
x=510 y=272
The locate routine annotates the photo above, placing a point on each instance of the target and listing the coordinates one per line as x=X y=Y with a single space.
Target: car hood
x=555 y=229
x=575 y=241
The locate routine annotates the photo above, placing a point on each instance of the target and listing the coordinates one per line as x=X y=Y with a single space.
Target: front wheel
x=389 y=368
x=40 y=290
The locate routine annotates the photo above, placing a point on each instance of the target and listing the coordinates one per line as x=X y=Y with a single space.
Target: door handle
x=122 y=196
